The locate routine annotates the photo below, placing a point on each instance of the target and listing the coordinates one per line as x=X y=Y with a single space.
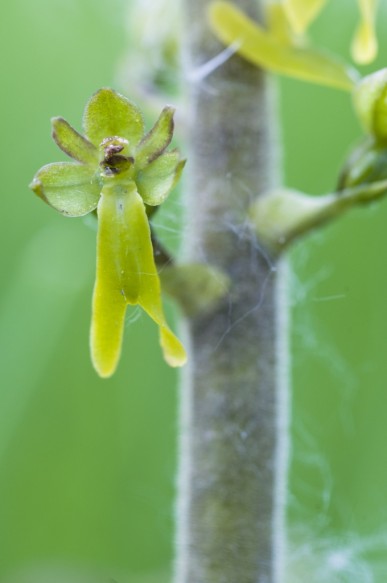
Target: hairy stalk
x=281 y=216
x=233 y=395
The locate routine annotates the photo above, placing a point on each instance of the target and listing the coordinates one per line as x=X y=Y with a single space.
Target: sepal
x=156 y=180
x=70 y=188
x=109 y=114
x=72 y=143
x=157 y=139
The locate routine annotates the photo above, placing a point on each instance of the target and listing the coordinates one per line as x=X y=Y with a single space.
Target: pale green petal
x=109 y=114
x=72 y=143
x=71 y=189
x=365 y=44
x=150 y=290
x=117 y=277
x=107 y=324
x=173 y=350
x=126 y=274
x=156 y=181
x=157 y=140
x=260 y=48
x=278 y=23
x=301 y=13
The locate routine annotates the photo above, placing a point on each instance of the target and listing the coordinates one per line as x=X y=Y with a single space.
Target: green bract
x=119 y=170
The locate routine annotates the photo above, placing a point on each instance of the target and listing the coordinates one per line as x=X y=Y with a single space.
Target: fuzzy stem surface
x=233 y=417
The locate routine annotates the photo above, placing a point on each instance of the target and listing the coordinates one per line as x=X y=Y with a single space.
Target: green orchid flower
x=281 y=46
x=121 y=172
x=277 y=48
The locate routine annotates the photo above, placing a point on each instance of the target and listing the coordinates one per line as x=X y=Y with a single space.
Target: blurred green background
x=87 y=466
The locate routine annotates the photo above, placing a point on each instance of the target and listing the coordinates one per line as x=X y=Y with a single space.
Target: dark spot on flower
x=113 y=149
x=108 y=170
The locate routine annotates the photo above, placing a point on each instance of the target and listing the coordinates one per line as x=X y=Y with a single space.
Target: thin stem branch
x=282 y=216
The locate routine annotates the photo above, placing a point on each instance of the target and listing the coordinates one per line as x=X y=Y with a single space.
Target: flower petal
x=107 y=325
x=260 y=48
x=126 y=274
x=173 y=350
x=71 y=189
x=109 y=114
x=156 y=181
x=365 y=45
x=117 y=279
x=157 y=140
x=150 y=290
x=72 y=143
x=301 y=13
x=278 y=23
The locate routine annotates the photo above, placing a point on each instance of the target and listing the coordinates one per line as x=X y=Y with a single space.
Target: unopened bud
x=370 y=100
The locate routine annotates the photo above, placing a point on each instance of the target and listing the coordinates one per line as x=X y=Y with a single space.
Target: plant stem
x=233 y=396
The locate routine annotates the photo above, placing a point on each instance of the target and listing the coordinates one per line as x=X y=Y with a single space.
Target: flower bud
x=370 y=101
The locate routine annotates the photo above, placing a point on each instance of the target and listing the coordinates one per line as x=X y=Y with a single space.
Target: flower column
x=233 y=410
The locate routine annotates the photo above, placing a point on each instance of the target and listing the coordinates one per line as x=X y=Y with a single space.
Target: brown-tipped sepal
x=72 y=143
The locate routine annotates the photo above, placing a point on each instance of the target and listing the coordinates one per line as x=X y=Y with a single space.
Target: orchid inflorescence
x=122 y=173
